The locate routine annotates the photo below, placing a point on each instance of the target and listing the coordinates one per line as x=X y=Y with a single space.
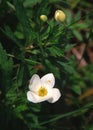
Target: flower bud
x=43 y=18
x=60 y=16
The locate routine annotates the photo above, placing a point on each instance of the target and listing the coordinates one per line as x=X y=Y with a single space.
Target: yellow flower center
x=42 y=92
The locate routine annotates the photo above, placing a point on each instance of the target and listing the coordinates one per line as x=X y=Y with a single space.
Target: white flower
x=42 y=89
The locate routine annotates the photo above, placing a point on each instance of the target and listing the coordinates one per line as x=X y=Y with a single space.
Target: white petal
x=55 y=95
x=48 y=80
x=32 y=97
x=35 y=82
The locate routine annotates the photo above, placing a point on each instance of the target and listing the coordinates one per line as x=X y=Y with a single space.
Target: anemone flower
x=41 y=89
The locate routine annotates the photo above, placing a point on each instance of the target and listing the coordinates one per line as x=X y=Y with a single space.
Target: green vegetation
x=30 y=45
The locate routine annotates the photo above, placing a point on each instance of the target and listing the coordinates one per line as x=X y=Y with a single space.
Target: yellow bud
x=60 y=16
x=43 y=18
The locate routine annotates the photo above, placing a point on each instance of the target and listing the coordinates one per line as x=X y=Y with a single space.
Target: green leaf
x=67 y=67
x=45 y=33
x=28 y=3
x=52 y=68
x=8 y=32
x=5 y=63
x=68 y=47
x=6 y=66
x=22 y=75
x=77 y=34
x=55 y=51
x=22 y=17
x=76 y=89
x=19 y=35
x=31 y=61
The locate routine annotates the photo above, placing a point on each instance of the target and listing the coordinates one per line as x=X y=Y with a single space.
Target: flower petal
x=48 y=80
x=55 y=95
x=32 y=97
x=35 y=83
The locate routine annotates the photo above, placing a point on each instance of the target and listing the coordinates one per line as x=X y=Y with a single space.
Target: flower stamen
x=42 y=92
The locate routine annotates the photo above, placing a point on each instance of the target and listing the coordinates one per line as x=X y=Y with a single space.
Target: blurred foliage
x=29 y=45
